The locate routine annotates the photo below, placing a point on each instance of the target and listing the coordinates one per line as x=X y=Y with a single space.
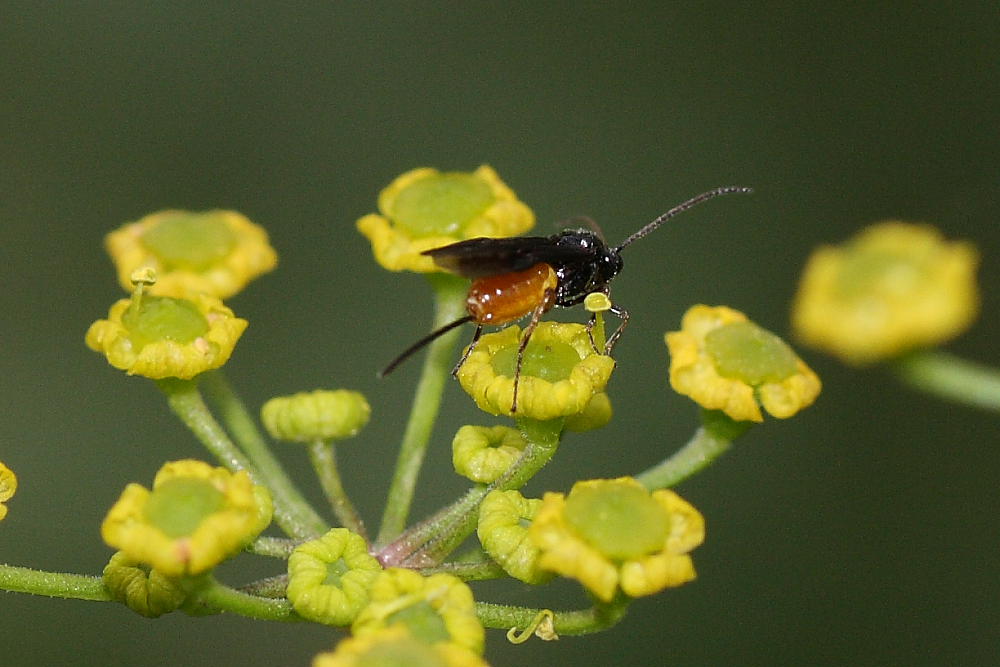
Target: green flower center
x=621 y=521
x=154 y=318
x=193 y=241
x=864 y=271
x=423 y=622
x=441 y=205
x=400 y=653
x=551 y=361
x=334 y=571
x=743 y=351
x=178 y=506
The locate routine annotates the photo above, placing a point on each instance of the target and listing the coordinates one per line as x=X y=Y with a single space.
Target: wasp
x=529 y=275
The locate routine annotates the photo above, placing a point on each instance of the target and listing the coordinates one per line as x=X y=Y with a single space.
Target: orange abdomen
x=511 y=296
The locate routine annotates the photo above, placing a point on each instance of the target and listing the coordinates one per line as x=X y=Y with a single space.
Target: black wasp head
x=589 y=267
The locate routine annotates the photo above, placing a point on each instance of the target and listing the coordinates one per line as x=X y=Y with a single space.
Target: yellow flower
x=396 y=647
x=483 y=453
x=504 y=517
x=614 y=534
x=329 y=577
x=316 y=415
x=8 y=487
x=425 y=209
x=560 y=375
x=893 y=287
x=160 y=337
x=438 y=609
x=144 y=591
x=723 y=361
x=195 y=517
x=214 y=252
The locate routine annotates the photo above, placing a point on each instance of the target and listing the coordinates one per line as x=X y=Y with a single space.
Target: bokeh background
x=862 y=532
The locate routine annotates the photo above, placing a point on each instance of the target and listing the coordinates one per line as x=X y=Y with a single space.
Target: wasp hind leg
x=536 y=317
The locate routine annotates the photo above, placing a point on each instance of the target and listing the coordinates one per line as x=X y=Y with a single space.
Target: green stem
x=237 y=419
x=324 y=461
x=708 y=443
x=951 y=378
x=276 y=547
x=53 y=584
x=576 y=622
x=449 y=300
x=271 y=587
x=477 y=571
x=431 y=541
x=215 y=597
x=296 y=519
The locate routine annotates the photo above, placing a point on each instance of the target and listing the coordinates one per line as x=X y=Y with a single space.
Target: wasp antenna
x=408 y=352
x=680 y=208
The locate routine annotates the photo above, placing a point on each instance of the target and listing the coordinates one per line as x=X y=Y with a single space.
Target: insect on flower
x=520 y=276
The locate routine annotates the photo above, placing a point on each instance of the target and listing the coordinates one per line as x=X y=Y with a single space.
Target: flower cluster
x=403 y=602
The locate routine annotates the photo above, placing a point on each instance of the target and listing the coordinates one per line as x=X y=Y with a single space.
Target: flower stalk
x=431 y=541
x=576 y=622
x=708 y=443
x=952 y=378
x=292 y=514
x=449 y=305
x=323 y=456
x=53 y=584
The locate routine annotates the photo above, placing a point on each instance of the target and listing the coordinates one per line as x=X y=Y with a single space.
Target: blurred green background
x=863 y=531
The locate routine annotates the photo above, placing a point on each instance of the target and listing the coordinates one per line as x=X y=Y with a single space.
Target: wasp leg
x=468 y=350
x=623 y=315
x=590 y=332
x=536 y=317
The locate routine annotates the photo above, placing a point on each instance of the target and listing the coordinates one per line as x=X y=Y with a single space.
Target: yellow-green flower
x=195 y=517
x=213 y=252
x=425 y=209
x=596 y=415
x=504 y=517
x=483 y=453
x=8 y=487
x=396 y=647
x=893 y=287
x=329 y=577
x=613 y=534
x=723 y=361
x=317 y=415
x=141 y=589
x=560 y=374
x=160 y=336
x=438 y=609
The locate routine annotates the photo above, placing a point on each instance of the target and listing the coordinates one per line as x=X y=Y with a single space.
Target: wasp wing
x=482 y=257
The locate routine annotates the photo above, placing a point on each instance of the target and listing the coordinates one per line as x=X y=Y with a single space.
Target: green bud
x=143 y=590
x=483 y=453
x=317 y=415
x=504 y=517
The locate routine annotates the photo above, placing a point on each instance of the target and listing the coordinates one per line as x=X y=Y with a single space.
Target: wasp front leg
x=623 y=316
x=468 y=350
